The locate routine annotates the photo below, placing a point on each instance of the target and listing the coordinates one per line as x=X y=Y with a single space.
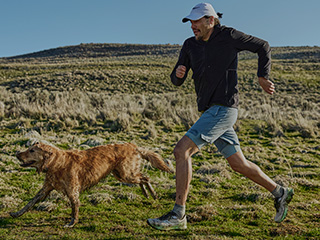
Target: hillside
x=77 y=97
x=117 y=50
x=95 y=67
x=102 y=51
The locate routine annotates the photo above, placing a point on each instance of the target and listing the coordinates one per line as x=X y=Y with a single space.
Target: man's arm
x=262 y=48
x=180 y=71
x=253 y=44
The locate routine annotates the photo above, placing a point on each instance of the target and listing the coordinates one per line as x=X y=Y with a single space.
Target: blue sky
x=34 y=25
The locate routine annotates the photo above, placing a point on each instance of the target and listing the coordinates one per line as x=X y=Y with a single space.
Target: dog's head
x=36 y=156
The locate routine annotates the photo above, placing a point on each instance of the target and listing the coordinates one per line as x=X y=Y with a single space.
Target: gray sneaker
x=281 y=204
x=168 y=221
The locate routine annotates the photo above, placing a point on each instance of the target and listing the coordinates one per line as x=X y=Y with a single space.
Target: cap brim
x=185 y=20
x=192 y=17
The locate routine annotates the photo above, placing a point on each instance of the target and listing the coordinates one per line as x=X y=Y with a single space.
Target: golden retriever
x=72 y=171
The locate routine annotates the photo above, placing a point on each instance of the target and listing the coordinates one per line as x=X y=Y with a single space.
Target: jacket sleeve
x=183 y=60
x=256 y=45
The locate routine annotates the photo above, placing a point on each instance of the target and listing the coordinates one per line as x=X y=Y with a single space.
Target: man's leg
x=282 y=195
x=241 y=165
x=183 y=151
x=176 y=218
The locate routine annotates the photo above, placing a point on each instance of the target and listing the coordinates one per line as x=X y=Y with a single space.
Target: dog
x=73 y=171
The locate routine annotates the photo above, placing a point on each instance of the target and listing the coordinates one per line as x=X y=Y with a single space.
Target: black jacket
x=214 y=64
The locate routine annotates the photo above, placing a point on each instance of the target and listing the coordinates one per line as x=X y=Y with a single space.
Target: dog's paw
x=68 y=225
x=71 y=224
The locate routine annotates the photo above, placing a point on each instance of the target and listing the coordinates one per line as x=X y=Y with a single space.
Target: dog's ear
x=47 y=155
x=46 y=159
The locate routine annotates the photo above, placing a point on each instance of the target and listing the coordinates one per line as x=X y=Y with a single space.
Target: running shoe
x=281 y=204
x=168 y=221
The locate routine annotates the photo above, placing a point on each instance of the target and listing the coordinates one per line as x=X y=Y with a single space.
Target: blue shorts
x=216 y=126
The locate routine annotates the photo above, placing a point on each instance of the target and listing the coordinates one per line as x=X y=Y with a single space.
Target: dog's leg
x=144 y=190
x=75 y=203
x=41 y=195
x=150 y=188
x=144 y=181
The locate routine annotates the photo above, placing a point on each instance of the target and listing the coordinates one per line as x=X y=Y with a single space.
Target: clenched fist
x=180 y=71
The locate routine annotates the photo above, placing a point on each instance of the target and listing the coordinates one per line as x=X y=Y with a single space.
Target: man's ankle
x=278 y=191
x=180 y=210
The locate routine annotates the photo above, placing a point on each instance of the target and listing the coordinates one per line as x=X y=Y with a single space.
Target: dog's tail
x=155 y=160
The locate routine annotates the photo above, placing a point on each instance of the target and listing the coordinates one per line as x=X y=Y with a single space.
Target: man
x=212 y=56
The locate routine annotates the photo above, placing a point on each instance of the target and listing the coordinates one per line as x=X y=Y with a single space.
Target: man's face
x=202 y=28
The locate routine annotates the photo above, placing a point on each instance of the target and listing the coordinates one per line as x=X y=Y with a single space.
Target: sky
x=28 y=26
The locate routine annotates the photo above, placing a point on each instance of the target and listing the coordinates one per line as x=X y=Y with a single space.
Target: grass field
x=81 y=96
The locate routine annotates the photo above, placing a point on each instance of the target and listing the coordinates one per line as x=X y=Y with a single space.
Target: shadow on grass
x=169 y=234
x=254 y=197
x=30 y=221
x=6 y=222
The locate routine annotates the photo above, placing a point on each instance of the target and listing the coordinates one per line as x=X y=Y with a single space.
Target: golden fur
x=73 y=171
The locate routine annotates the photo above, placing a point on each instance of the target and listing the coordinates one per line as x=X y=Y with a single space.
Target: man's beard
x=199 y=38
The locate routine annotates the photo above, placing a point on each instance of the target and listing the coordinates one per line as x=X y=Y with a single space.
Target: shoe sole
x=166 y=229
x=288 y=200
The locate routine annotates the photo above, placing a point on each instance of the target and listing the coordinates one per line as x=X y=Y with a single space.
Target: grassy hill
x=90 y=94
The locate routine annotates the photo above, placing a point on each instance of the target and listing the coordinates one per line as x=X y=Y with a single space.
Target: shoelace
x=168 y=216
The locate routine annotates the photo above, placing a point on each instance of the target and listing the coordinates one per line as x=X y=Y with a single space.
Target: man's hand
x=180 y=71
x=266 y=85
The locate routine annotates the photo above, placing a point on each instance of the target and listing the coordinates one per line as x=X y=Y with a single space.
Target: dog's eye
x=31 y=150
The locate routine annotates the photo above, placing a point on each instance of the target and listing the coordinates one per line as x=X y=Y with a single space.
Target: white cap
x=199 y=11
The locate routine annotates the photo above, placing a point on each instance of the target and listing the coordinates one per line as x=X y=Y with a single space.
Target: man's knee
x=185 y=148
x=180 y=152
x=241 y=165
x=177 y=151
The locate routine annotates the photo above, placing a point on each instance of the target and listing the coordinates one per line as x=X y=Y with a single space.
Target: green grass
x=75 y=101
x=222 y=204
